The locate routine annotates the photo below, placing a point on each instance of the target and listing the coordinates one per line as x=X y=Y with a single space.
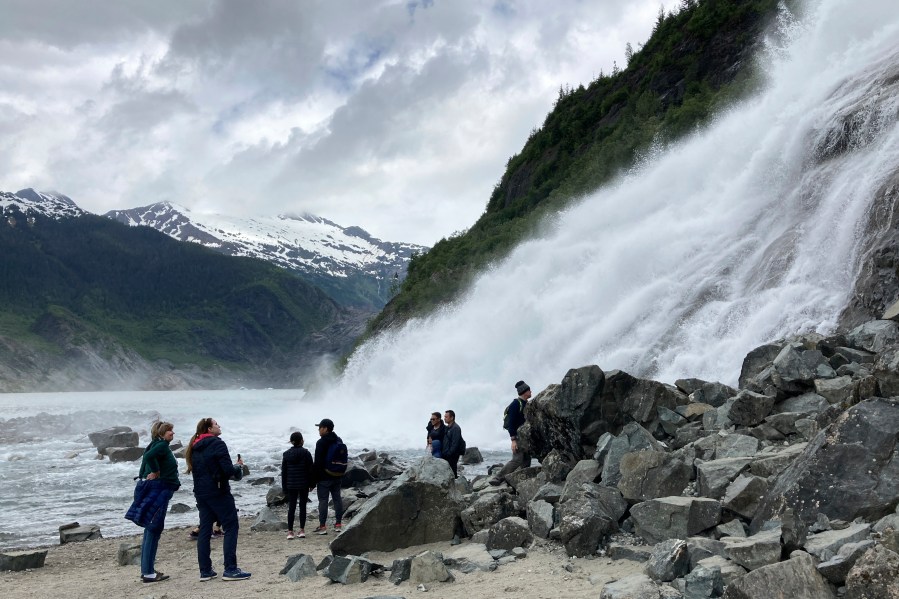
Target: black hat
x=522 y=387
x=327 y=423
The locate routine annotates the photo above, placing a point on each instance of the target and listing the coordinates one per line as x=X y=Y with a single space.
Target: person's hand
x=514 y=445
x=152 y=476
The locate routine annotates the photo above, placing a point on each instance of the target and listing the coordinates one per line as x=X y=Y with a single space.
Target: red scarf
x=201 y=437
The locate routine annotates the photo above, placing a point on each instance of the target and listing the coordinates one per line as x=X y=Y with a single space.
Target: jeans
x=326 y=488
x=294 y=496
x=148 y=552
x=221 y=508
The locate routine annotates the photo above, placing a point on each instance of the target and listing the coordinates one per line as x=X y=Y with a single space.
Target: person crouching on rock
x=436 y=431
x=208 y=460
x=159 y=465
x=296 y=479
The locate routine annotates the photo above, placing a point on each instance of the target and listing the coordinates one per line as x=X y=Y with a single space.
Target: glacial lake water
x=49 y=474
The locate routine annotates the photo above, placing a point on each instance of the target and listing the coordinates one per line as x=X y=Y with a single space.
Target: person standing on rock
x=514 y=418
x=328 y=469
x=436 y=432
x=159 y=465
x=208 y=460
x=453 y=444
x=296 y=480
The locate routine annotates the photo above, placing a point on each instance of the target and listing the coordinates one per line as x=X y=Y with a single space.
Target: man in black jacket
x=515 y=417
x=327 y=484
x=208 y=460
x=452 y=441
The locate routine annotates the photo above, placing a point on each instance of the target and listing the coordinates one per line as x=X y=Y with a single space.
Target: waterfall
x=748 y=231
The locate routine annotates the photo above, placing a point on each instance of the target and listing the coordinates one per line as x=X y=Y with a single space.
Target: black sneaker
x=237 y=574
x=158 y=578
x=207 y=576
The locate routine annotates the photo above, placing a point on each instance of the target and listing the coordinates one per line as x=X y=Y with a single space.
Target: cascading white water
x=747 y=232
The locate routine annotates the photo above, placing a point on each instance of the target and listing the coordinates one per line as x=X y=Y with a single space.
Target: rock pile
x=119 y=444
x=787 y=485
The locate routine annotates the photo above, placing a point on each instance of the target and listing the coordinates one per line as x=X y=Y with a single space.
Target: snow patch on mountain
x=46 y=203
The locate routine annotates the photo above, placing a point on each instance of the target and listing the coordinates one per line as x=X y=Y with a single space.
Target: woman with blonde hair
x=159 y=475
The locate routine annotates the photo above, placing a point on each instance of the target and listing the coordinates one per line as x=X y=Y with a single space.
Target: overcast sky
x=397 y=116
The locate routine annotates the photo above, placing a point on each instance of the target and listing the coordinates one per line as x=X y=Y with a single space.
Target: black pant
x=454 y=463
x=294 y=495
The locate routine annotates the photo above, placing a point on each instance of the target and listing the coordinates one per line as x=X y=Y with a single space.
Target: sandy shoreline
x=90 y=569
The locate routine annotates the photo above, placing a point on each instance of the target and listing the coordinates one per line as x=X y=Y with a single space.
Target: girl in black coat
x=296 y=480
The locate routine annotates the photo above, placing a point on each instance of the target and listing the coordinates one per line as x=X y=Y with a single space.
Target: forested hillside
x=71 y=286
x=697 y=60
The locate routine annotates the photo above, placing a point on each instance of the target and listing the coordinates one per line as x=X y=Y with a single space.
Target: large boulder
x=847 y=471
x=117 y=436
x=509 y=533
x=665 y=518
x=75 y=533
x=486 y=511
x=874 y=336
x=796 y=578
x=570 y=417
x=124 y=454
x=874 y=576
x=16 y=561
x=589 y=516
x=650 y=474
x=421 y=506
x=610 y=449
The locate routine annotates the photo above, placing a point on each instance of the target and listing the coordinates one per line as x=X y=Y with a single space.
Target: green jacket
x=159 y=458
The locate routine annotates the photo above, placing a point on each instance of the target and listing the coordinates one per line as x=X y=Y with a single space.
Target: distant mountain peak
x=29 y=201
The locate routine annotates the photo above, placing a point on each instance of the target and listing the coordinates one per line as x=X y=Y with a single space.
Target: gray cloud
x=398 y=117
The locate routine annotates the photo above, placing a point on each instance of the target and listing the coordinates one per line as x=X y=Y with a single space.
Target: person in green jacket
x=158 y=464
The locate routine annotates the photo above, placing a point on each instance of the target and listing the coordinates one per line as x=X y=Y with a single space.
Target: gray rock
x=470 y=558
x=636 y=553
x=795 y=368
x=670 y=420
x=585 y=471
x=874 y=576
x=752 y=553
x=795 y=578
x=427 y=567
x=734 y=528
x=117 y=436
x=267 y=520
x=262 y=481
x=17 y=561
x=517 y=478
x=635 y=586
x=587 y=518
x=275 y=496
x=828 y=476
x=756 y=362
x=736 y=446
x=774 y=460
x=555 y=467
x=668 y=560
x=128 y=554
x=550 y=493
x=526 y=489
x=486 y=511
x=744 y=495
x=674 y=517
x=650 y=474
x=299 y=567
x=837 y=568
x=825 y=545
x=508 y=533
x=729 y=570
x=715 y=475
x=419 y=507
x=349 y=569
x=541 y=518
x=836 y=390
x=124 y=454
x=472 y=456
x=748 y=408
x=180 y=508
x=633 y=437
x=702 y=548
x=807 y=403
x=713 y=394
x=401 y=570
x=703 y=582
x=75 y=533
x=480 y=537
x=874 y=336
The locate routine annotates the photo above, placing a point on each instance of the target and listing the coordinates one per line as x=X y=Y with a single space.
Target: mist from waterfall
x=744 y=233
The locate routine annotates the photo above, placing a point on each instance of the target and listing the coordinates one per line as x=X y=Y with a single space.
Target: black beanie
x=521 y=387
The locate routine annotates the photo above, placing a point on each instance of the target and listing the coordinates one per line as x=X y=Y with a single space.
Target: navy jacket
x=212 y=467
x=151 y=501
x=516 y=415
x=296 y=469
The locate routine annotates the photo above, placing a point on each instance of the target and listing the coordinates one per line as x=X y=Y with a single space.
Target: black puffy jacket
x=296 y=469
x=212 y=467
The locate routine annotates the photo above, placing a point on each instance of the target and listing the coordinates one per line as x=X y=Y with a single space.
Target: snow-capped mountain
x=47 y=203
x=347 y=262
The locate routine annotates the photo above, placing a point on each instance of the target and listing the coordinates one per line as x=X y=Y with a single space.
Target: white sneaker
x=289 y=535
